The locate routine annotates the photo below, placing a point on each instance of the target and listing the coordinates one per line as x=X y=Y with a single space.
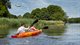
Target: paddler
x=23 y=28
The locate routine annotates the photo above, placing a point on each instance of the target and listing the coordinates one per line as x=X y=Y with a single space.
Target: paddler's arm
x=17 y=32
x=27 y=29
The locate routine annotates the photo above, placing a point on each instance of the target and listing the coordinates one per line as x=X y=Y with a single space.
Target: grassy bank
x=11 y=22
x=6 y=22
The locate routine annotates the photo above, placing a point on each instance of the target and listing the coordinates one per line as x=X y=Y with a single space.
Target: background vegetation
x=52 y=12
x=7 y=22
x=74 y=20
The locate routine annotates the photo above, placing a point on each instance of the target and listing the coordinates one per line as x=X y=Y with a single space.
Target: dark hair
x=22 y=24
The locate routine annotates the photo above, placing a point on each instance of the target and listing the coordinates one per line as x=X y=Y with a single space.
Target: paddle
x=34 y=22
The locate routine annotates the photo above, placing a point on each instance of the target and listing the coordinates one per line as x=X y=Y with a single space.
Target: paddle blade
x=46 y=27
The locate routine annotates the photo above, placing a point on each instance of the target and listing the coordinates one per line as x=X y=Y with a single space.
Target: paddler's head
x=23 y=24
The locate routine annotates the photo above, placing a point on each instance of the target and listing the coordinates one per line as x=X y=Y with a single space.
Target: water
x=71 y=36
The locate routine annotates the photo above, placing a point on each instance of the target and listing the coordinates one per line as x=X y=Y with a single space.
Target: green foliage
x=74 y=20
x=36 y=13
x=52 y=12
x=27 y=15
x=12 y=16
x=44 y=14
x=12 y=22
x=4 y=4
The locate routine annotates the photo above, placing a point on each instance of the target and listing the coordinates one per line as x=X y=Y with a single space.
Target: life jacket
x=32 y=28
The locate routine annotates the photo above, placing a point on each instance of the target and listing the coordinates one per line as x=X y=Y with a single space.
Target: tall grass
x=6 y=22
x=11 y=22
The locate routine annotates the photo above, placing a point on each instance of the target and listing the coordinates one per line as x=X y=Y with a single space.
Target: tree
x=27 y=15
x=56 y=12
x=12 y=16
x=36 y=13
x=19 y=16
x=74 y=20
x=52 y=12
x=44 y=14
x=4 y=4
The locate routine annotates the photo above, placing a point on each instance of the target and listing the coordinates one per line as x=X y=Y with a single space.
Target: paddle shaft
x=34 y=22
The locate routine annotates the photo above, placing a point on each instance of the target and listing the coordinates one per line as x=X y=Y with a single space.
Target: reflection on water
x=71 y=36
x=4 y=32
x=55 y=30
x=72 y=33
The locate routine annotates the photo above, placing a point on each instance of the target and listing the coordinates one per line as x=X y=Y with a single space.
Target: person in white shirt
x=21 y=29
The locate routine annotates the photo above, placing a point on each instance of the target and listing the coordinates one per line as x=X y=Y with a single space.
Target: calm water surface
x=71 y=36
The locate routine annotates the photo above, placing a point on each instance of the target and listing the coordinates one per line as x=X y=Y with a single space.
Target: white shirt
x=22 y=29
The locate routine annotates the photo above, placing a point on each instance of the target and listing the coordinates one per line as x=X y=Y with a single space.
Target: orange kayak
x=27 y=34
